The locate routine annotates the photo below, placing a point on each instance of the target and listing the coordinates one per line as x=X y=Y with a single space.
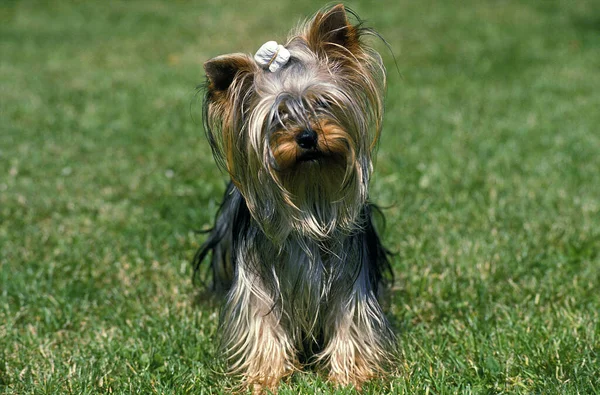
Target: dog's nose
x=307 y=139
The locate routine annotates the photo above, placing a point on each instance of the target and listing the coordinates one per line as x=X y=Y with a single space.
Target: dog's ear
x=332 y=30
x=223 y=70
x=228 y=79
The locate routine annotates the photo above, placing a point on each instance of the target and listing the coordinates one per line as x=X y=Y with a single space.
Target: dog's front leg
x=358 y=340
x=256 y=344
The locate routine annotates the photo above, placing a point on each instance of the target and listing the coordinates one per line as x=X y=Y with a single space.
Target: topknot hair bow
x=272 y=56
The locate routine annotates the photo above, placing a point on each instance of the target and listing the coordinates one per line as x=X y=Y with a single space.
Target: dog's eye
x=322 y=104
x=280 y=116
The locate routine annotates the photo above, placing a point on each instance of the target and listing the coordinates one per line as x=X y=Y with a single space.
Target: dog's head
x=297 y=142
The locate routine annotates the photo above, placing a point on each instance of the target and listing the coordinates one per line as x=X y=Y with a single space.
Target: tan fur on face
x=333 y=144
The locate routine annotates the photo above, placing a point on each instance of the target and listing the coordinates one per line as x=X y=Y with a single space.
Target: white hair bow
x=272 y=56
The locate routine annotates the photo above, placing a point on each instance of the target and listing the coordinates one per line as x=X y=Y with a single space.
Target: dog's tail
x=219 y=244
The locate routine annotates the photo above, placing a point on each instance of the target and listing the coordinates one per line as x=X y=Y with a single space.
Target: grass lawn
x=489 y=164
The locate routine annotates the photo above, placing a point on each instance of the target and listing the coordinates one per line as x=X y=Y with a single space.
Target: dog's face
x=297 y=142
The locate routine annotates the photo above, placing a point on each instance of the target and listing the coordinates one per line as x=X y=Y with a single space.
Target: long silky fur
x=301 y=292
x=296 y=251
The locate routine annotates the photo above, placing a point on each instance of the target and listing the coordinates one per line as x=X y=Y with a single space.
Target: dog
x=294 y=247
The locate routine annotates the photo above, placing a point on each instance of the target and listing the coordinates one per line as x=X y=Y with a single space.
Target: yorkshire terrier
x=294 y=245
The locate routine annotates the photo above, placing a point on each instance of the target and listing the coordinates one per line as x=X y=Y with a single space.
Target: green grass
x=489 y=162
